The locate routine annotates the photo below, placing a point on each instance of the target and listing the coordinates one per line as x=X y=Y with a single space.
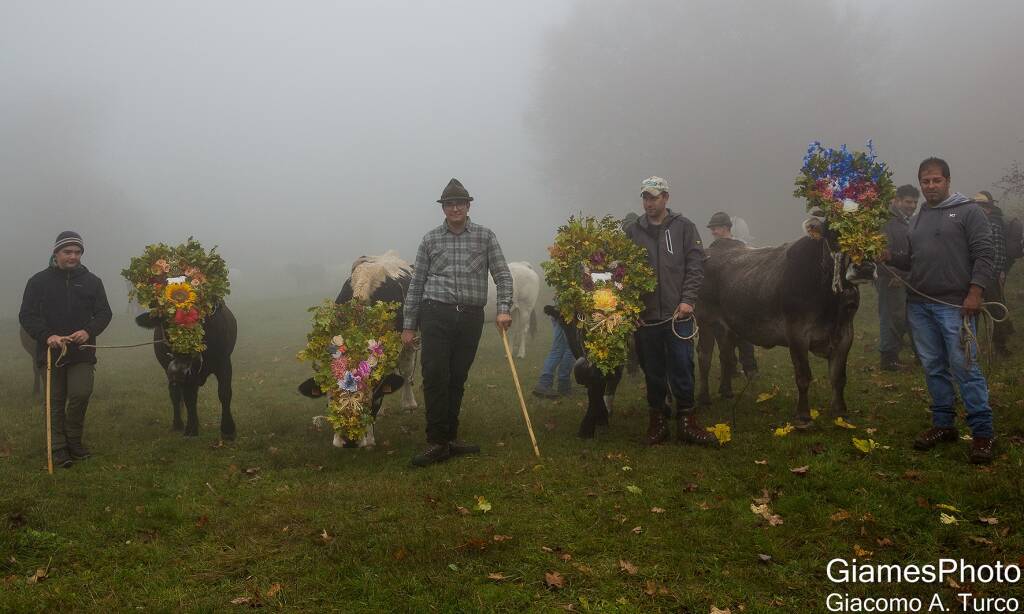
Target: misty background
x=297 y=136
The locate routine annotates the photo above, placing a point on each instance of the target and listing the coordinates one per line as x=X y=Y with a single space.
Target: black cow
x=186 y=373
x=377 y=278
x=29 y=344
x=600 y=387
x=801 y=295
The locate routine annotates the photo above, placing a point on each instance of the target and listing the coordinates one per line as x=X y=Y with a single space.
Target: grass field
x=281 y=519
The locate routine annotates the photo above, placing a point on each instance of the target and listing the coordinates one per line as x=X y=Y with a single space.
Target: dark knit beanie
x=68 y=237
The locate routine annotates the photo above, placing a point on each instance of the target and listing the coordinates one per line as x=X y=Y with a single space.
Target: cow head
x=181 y=366
x=845 y=272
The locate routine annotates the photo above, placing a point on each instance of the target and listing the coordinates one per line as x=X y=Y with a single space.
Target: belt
x=454 y=306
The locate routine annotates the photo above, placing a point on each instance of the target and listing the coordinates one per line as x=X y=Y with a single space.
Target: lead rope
x=967 y=335
x=64 y=349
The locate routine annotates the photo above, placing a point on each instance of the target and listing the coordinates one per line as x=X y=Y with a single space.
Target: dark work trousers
x=667 y=362
x=450 y=338
x=70 y=390
x=892 y=318
x=1001 y=331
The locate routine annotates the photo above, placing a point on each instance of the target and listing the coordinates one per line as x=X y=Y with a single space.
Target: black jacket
x=59 y=302
x=675 y=252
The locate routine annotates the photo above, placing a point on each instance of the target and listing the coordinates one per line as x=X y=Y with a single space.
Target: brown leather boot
x=982 y=450
x=689 y=431
x=933 y=436
x=657 y=430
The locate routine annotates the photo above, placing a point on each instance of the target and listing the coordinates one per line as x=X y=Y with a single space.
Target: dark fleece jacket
x=949 y=249
x=675 y=252
x=59 y=302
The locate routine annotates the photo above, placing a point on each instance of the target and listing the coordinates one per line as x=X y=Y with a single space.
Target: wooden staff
x=519 y=390
x=49 y=436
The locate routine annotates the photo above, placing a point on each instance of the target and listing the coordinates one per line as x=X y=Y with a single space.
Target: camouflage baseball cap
x=653 y=186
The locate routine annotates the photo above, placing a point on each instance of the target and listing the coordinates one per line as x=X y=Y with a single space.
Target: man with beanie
x=720 y=226
x=1001 y=331
x=892 y=293
x=445 y=303
x=675 y=253
x=949 y=255
x=65 y=307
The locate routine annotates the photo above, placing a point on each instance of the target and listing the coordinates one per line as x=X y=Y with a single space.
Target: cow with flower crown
x=194 y=333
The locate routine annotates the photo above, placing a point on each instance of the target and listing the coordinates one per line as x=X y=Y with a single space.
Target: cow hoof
x=227 y=436
x=189 y=433
x=803 y=423
x=587 y=430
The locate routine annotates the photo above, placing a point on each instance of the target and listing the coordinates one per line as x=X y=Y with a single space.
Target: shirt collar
x=469 y=226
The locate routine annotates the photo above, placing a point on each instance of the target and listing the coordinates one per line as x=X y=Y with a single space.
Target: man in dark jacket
x=720 y=226
x=65 y=307
x=675 y=253
x=949 y=255
x=997 y=292
x=892 y=293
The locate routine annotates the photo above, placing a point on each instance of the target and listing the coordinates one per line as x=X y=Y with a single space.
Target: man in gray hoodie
x=950 y=257
x=675 y=253
x=892 y=294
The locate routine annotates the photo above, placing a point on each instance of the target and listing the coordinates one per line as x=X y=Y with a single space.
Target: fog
x=297 y=136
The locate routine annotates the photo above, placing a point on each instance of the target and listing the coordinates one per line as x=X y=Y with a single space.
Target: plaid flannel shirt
x=999 y=241
x=452 y=268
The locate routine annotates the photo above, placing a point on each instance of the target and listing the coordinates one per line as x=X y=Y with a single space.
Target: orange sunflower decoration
x=181 y=295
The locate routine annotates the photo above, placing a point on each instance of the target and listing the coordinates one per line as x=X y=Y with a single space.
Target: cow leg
x=802 y=373
x=227 y=423
x=705 y=351
x=175 y=391
x=524 y=330
x=609 y=395
x=190 y=394
x=368 y=440
x=595 y=408
x=837 y=369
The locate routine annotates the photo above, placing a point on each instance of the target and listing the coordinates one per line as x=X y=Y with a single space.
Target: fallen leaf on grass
x=202 y=521
x=860 y=552
x=461 y=510
x=400 y=554
x=722 y=433
x=947 y=507
x=945 y=518
x=502 y=538
x=992 y=520
x=981 y=540
x=840 y=516
x=870 y=431
x=582 y=568
x=637 y=530
x=768 y=395
x=815 y=413
x=628 y=567
x=627 y=468
x=274 y=589
x=546 y=549
x=691 y=487
x=782 y=431
x=497 y=576
x=865 y=446
x=764 y=558
x=246 y=601
x=41 y=574
x=761 y=462
x=765 y=512
x=884 y=542
x=634 y=489
x=554 y=580
x=657 y=510
x=326 y=537
x=840 y=422
x=715 y=610
x=482 y=504
x=801 y=471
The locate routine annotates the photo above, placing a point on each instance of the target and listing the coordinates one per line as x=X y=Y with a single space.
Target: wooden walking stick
x=519 y=390
x=49 y=436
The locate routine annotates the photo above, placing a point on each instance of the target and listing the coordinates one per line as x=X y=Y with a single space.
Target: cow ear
x=814 y=228
x=309 y=389
x=145 y=320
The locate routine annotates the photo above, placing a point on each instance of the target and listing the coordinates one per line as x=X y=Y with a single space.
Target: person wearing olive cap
x=996 y=292
x=720 y=226
x=445 y=302
x=65 y=307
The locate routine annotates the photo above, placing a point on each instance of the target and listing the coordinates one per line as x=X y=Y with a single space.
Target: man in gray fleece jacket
x=675 y=253
x=950 y=257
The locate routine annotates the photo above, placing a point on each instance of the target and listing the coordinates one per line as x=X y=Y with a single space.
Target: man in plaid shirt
x=446 y=302
x=1001 y=331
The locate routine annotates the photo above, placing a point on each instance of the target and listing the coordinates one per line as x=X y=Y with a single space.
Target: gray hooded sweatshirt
x=675 y=253
x=949 y=249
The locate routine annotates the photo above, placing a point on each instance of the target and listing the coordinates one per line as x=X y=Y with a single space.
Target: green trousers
x=70 y=389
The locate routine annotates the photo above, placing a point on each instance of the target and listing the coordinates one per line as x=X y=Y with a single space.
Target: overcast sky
x=313 y=132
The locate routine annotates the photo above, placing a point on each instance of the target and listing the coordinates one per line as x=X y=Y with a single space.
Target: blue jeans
x=667 y=362
x=559 y=361
x=936 y=331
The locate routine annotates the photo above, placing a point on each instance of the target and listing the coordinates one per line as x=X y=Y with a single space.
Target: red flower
x=186 y=318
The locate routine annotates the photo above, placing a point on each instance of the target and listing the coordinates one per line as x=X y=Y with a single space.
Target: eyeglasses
x=455 y=204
